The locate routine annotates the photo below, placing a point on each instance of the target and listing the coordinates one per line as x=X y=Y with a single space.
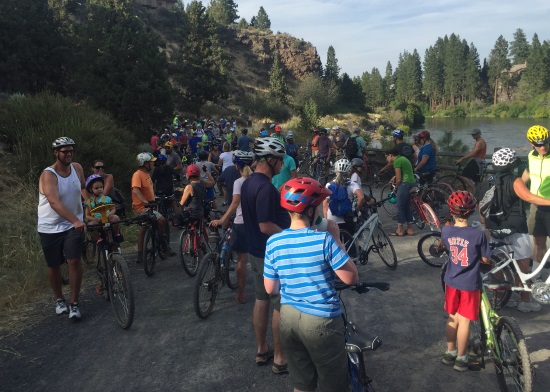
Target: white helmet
x=269 y=146
x=336 y=128
x=145 y=157
x=342 y=166
x=504 y=159
x=62 y=141
x=290 y=135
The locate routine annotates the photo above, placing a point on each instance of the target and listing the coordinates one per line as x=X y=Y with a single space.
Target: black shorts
x=472 y=170
x=238 y=239
x=60 y=246
x=542 y=223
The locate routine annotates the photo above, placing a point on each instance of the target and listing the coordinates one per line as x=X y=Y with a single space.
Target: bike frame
x=489 y=318
x=372 y=223
x=421 y=208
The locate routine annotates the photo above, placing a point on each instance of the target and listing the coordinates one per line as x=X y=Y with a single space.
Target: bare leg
x=279 y=356
x=451 y=332
x=463 y=334
x=54 y=275
x=141 y=237
x=260 y=318
x=524 y=267
x=540 y=248
x=242 y=259
x=75 y=278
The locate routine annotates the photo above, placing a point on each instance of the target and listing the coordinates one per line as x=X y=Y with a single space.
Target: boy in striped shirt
x=301 y=264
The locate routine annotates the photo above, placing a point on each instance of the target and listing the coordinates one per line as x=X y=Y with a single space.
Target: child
x=301 y=263
x=467 y=247
x=357 y=165
x=194 y=194
x=94 y=186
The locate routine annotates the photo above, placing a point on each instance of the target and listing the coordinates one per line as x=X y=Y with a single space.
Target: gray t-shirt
x=244 y=143
x=173 y=159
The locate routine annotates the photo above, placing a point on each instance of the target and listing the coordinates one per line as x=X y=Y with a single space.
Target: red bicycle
x=194 y=243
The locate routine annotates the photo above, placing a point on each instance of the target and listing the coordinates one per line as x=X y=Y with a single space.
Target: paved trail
x=169 y=349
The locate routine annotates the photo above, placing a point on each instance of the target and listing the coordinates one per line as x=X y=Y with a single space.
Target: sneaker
x=61 y=306
x=526 y=307
x=448 y=358
x=75 y=313
x=461 y=365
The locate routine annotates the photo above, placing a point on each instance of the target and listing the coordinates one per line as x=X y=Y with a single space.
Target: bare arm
x=186 y=193
x=293 y=173
x=477 y=147
x=348 y=273
x=360 y=199
x=232 y=208
x=109 y=184
x=524 y=194
x=272 y=286
x=137 y=193
x=210 y=182
x=48 y=187
x=422 y=162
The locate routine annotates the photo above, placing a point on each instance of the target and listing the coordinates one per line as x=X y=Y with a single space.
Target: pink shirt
x=154 y=140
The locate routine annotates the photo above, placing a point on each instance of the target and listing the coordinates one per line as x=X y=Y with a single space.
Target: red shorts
x=464 y=302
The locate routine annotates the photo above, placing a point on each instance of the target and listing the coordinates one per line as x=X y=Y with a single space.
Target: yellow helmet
x=537 y=134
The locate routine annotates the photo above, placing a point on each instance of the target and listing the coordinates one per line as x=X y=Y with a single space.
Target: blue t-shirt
x=304 y=262
x=427 y=150
x=260 y=202
x=466 y=245
x=244 y=143
x=193 y=143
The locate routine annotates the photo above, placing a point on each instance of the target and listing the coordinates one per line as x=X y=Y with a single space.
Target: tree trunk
x=496 y=92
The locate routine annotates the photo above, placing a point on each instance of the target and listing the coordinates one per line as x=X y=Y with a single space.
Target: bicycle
x=153 y=245
x=165 y=208
x=357 y=342
x=217 y=268
x=113 y=272
x=501 y=339
x=370 y=232
x=458 y=182
x=194 y=242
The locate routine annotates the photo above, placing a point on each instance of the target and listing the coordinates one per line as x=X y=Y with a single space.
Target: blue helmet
x=162 y=157
x=263 y=133
x=398 y=133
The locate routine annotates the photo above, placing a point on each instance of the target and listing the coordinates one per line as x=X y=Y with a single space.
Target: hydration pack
x=339 y=202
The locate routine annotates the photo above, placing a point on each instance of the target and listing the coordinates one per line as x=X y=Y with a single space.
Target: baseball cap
x=476 y=132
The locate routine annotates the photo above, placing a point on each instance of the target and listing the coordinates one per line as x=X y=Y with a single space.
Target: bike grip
x=382 y=286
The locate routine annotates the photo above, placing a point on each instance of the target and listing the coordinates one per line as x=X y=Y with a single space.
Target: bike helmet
x=290 y=135
x=271 y=126
x=169 y=145
x=62 y=141
x=93 y=178
x=162 y=157
x=398 y=133
x=269 y=147
x=299 y=193
x=263 y=133
x=243 y=158
x=461 y=203
x=278 y=128
x=504 y=159
x=322 y=131
x=145 y=157
x=424 y=135
x=357 y=162
x=537 y=134
x=193 y=171
x=342 y=166
x=336 y=128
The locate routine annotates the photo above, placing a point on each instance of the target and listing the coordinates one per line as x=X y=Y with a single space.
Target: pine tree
x=454 y=64
x=433 y=76
x=498 y=62
x=332 y=71
x=408 y=86
x=519 y=47
x=277 y=82
x=373 y=88
x=351 y=94
x=243 y=24
x=389 y=84
x=223 y=12
x=261 y=21
x=535 y=77
x=472 y=77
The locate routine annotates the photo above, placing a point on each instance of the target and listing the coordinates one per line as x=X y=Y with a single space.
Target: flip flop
x=263 y=359
x=279 y=369
x=396 y=234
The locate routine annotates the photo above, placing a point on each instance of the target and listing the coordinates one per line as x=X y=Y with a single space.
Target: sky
x=369 y=33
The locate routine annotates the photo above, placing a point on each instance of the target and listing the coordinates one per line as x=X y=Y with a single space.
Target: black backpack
x=352 y=148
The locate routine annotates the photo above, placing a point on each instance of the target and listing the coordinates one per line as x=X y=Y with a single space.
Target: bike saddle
x=359 y=341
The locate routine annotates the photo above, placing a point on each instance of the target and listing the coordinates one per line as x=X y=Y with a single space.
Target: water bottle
x=225 y=249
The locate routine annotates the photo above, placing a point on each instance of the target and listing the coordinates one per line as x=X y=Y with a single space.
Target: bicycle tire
x=382 y=245
x=500 y=297
x=433 y=220
x=435 y=254
x=149 y=253
x=207 y=285
x=121 y=291
x=103 y=276
x=230 y=270
x=436 y=198
x=514 y=373
x=188 y=257
x=417 y=217
x=391 y=209
x=456 y=183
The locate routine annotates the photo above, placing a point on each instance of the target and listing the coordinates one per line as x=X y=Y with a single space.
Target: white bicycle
x=369 y=237
x=507 y=269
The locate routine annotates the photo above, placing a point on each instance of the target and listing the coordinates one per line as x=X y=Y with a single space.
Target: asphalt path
x=168 y=348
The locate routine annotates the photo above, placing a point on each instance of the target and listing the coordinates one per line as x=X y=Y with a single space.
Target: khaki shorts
x=315 y=349
x=257 y=266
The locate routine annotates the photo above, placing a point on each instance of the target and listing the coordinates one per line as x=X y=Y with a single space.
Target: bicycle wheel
x=456 y=183
x=207 y=285
x=346 y=239
x=417 y=217
x=120 y=291
x=188 y=256
x=436 y=198
x=514 y=372
x=431 y=250
x=433 y=220
x=230 y=270
x=149 y=252
x=391 y=209
x=499 y=297
x=382 y=245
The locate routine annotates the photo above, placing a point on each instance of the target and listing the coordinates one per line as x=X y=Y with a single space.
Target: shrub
x=499 y=108
x=456 y=112
x=264 y=106
x=517 y=109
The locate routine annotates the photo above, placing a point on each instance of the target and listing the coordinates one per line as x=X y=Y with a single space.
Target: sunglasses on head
x=99 y=167
x=541 y=143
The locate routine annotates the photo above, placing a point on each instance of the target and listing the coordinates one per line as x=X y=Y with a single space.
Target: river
x=497 y=132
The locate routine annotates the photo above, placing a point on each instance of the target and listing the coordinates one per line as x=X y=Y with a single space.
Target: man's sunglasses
x=99 y=167
x=541 y=144
x=67 y=152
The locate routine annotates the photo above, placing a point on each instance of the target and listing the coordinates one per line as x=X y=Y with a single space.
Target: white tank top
x=69 y=194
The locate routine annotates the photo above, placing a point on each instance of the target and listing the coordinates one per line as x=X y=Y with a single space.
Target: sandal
x=396 y=234
x=240 y=300
x=279 y=369
x=263 y=359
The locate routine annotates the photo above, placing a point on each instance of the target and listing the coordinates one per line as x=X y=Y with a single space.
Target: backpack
x=491 y=205
x=352 y=148
x=339 y=202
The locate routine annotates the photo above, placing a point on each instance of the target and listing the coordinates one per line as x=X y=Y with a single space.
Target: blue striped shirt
x=304 y=262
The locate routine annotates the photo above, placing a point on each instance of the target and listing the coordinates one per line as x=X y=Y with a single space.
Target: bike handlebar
x=363 y=287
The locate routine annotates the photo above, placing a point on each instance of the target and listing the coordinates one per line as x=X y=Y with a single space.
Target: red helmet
x=461 y=203
x=193 y=171
x=278 y=128
x=299 y=193
x=424 y=135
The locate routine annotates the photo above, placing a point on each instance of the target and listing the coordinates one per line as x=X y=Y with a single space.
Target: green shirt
x=404 y=164
x=288 y=165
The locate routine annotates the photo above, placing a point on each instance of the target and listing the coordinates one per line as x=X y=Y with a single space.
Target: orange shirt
x=483 y=151
x=314 y=142
x=142 y=180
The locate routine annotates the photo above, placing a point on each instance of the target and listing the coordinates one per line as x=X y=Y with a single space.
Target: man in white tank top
x=61 y=223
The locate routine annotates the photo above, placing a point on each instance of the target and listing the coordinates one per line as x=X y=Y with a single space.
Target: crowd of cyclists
x=286 y=227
